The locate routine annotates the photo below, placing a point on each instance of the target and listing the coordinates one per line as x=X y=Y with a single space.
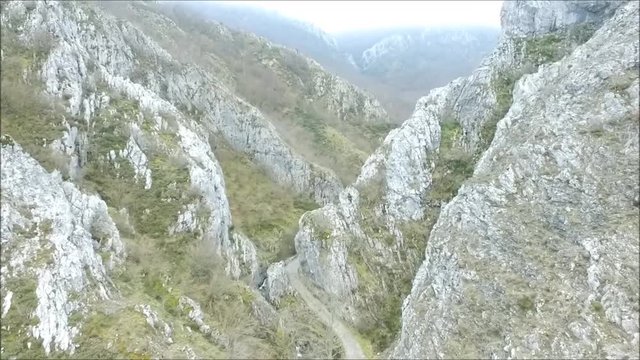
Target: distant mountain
x=415 y=60
x=396 y=65
x=297 y=35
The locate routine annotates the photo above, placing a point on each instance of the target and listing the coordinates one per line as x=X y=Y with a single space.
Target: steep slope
x=57 y=247
x=361 y=252
x=537 y=254
x=321 y=116
x=293 y=34
x=120 y=142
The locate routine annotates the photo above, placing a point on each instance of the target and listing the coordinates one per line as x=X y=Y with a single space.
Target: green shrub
x=31 y=119
x=383 y=332
x=263 y=210
x=526 y=303
x=502 y=85
x=452 y=169
x=21 y=316
x=543 y=49
x=579 y=34
x=155 y=288
x=450 y=132
x=552 y=47
x=597 y=306
x=126 y=330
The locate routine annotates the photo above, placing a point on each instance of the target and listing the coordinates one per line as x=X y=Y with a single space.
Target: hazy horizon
x=336 y=17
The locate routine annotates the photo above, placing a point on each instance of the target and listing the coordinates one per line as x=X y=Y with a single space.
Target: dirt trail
x=349 y=343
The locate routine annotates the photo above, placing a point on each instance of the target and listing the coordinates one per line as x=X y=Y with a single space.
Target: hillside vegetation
x=172 y=294
x=280 y=82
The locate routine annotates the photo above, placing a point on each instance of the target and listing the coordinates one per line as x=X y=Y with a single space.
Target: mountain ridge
x=342 y=54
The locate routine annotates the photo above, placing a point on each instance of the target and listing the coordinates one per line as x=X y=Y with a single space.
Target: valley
x=185 y=181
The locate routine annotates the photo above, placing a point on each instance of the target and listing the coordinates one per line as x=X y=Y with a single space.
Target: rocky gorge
x=155 y=204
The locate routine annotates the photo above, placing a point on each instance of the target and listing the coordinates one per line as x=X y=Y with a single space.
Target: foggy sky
x=340 y=16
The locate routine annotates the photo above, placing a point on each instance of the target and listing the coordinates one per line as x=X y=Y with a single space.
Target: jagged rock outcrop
x=463 y=116
x=155 y=322
x=529 y=18
x=58 y=246
x=194 y=313
x=404 y=159
x=276 y=285
x=401 y=169
x=345 y=99
x=321 y=245
x=537 y=254
x=84 y=54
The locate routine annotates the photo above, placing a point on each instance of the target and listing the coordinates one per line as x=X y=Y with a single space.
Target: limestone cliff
x=550 y=68
x=57 y=243
x=537 y=254
x=115 y=206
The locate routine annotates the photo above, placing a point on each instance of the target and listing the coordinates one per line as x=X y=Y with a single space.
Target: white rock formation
x=528 y=18
x=155 y=322
x=137 y=158
x=194 y=313
x=74 y=244
x=535 y=255
x=277 y=284
x=405 y=161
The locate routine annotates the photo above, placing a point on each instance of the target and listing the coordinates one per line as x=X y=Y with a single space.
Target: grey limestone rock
x=68 y=244
x=276 y=284
x=528 y=18
x=537 y=254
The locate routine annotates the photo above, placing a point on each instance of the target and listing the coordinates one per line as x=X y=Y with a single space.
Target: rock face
x=85 y=54
x=537 y=254
x=342 y=246
x=403 y=165
x=138 y=128
x=404 y=159
x=345 y=99
x=528 y=204
x=62 y=238
x=239 y=123
x=528 y=18
x=276 y=284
